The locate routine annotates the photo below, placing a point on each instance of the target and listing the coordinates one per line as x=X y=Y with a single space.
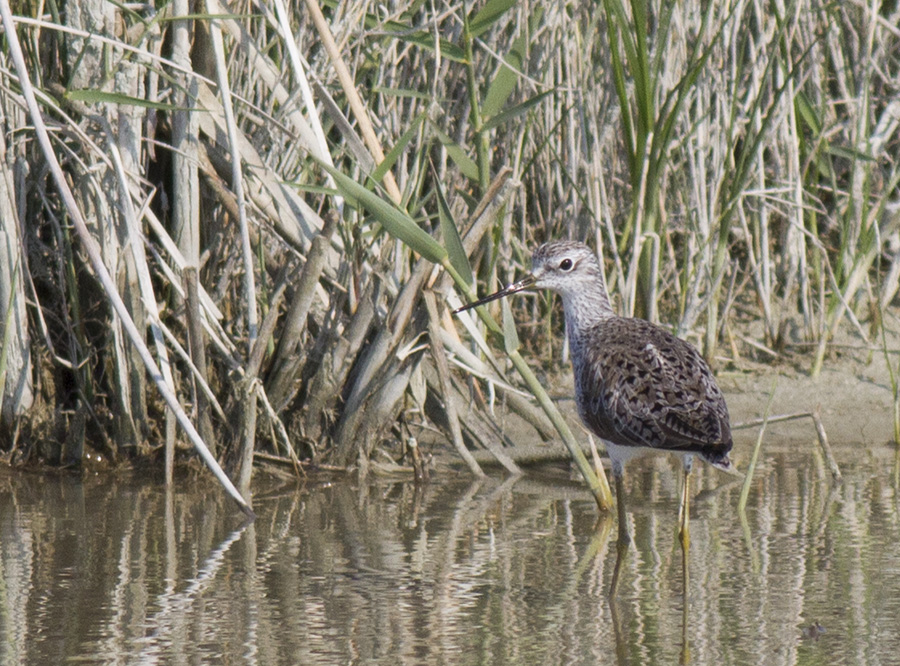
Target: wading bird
x=637 y=386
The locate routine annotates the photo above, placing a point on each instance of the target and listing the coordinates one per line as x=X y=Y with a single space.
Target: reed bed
x=284 y=198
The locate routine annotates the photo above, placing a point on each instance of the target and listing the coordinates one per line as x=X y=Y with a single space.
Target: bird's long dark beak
x=524 y=283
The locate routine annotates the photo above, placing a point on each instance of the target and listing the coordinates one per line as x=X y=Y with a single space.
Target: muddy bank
x=855 y=398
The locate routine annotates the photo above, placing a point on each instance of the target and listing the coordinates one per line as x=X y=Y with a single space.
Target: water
x=108 y=570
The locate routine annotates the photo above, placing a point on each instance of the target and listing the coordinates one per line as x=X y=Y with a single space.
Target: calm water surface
x=111 y=571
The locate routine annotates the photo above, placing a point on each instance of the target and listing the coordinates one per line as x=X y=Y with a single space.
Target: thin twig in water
x=745 y=490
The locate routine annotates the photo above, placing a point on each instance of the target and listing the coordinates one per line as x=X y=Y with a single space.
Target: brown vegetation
x=734 y=163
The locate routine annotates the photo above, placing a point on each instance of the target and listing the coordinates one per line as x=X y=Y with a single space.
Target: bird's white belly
x=619 y=455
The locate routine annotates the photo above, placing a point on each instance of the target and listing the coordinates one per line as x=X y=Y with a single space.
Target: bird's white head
x=570 y=269
x=566 y=267
x=573 y=271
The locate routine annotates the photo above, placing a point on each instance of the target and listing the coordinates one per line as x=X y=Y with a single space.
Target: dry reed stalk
x=360 y=112
x=287 y=362
x=243 y=459
x=16 y=384
x=439 y=357
x=92 y=249
x=186 y=213
x=197 y=347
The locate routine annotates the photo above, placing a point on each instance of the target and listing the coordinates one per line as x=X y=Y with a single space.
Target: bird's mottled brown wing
x=638 y=385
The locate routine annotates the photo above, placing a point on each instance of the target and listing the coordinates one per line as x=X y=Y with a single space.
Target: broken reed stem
x=745 y=489
x=820 y=434
x=826 y=447
x=288 y=353
x=595 y=455
x=443 y=370
x=279 y=428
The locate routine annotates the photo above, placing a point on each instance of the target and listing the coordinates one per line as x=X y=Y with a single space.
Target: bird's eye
x=566 y=265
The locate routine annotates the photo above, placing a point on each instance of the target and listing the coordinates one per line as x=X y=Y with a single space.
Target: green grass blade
x=458 y=154
x=515 y=111
x=425 y=40
x=614 y=21
x=508 y=76
x=488 y=15
x=807 y=112
x=510 y=335
x=638 y=61
x=397 y=223
x=450 y=234
x=394 y=154
x=504 y=82
x=849 y=153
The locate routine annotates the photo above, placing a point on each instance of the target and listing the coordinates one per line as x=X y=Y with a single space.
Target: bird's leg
x=623 y=652
x=624 y=540
x=624 y=537
x=684 y=507
x=685 y=534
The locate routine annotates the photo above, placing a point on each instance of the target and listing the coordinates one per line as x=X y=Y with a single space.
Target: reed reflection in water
x=102 y=570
